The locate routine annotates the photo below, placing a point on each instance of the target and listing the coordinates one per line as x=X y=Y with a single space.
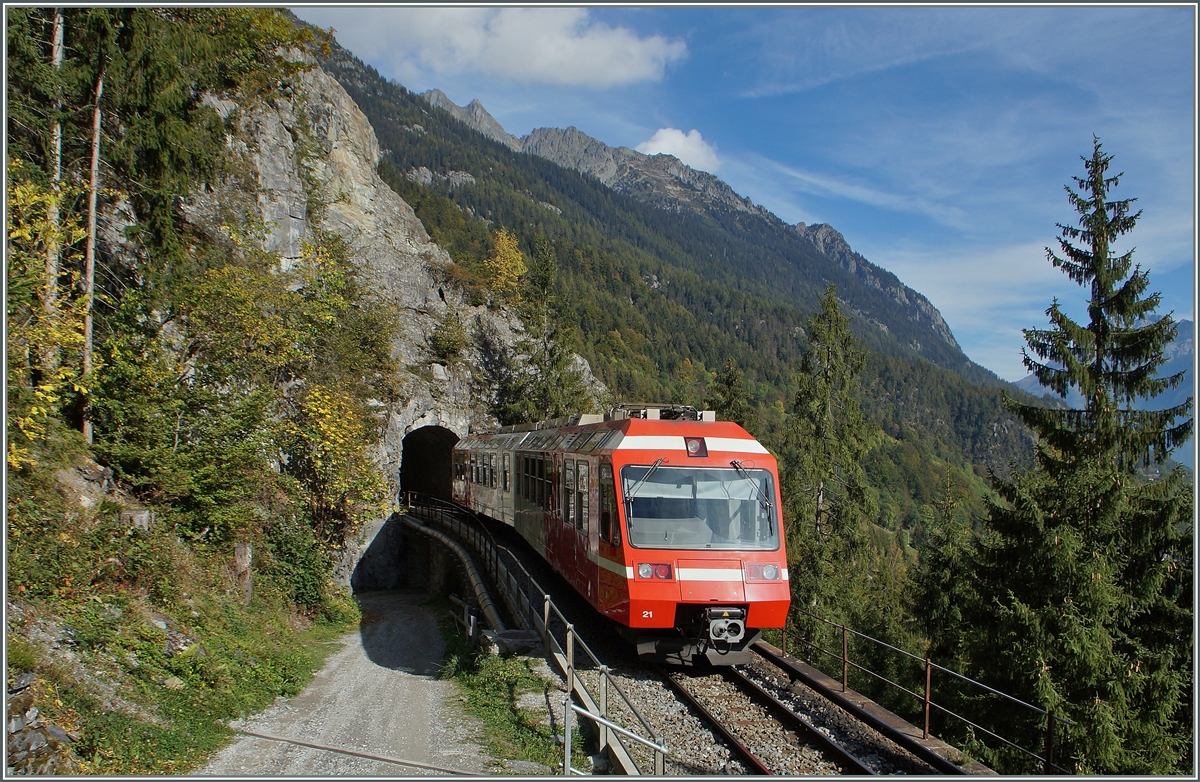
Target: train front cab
x=704 y=554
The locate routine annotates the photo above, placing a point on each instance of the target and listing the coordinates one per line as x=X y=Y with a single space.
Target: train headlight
x=762 y=572
x=662 y=571
x=645 y=570
x=653 y=570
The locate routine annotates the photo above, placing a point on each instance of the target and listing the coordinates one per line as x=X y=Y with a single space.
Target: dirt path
x=377 y=695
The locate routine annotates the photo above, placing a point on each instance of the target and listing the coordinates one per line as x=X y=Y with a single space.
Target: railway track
x=765 y=735
x=762 y=721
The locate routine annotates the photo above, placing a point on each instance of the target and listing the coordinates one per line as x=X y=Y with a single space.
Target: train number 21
x=647 y=615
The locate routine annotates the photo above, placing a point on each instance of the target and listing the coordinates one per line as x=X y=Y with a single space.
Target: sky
x=937 y=140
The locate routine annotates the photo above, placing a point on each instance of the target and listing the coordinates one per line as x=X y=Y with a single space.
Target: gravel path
x=377 y=695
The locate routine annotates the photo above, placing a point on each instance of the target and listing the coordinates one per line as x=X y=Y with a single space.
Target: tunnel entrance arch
x=426 y=459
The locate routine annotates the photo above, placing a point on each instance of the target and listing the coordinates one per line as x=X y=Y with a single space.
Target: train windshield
x=700 y=507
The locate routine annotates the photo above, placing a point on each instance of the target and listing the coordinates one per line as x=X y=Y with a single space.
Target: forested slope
x=664 y=298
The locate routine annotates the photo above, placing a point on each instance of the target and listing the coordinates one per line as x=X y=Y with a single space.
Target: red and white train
x=666 y=520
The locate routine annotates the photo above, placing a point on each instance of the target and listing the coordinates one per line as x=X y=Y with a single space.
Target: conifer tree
x=730 y=399
x=827 y=499
x=544 y=382
x=1084 y=569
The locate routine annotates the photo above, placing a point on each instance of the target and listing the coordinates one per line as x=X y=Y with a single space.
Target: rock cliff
x=314 y=156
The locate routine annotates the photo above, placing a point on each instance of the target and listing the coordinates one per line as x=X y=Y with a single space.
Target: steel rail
x=842 y=756
x=741 y=750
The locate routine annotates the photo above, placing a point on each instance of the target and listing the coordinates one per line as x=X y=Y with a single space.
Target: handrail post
x=928 y=680
x=1048 y=765
x=784 y=636
x=570 y=659
x=567 y=736
x=603 y=708
x=546 y=622
x=845 y=659
x=660 y=760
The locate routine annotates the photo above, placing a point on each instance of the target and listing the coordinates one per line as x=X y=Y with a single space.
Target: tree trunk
x=89 y=271
x=820 y=503
x=50 y=297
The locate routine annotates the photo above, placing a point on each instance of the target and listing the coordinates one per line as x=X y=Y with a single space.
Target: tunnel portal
x=426 y=461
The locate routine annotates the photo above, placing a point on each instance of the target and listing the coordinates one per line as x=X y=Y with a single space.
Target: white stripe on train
x=682 y=574
x=643 y=442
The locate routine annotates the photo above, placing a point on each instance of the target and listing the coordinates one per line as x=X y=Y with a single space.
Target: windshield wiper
x=742 y=471
x=633 y=489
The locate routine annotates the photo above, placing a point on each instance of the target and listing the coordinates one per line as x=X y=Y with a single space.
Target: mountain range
x=665 y=182
x=669 y=275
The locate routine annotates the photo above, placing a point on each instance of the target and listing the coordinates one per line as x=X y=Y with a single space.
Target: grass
x=118 y=680
x=491 y=688
x=237 y=668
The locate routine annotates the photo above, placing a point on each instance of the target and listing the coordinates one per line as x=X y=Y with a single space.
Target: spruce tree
x=730 y=399
x=827 y=500
x=1083 y=571
x=543 y=381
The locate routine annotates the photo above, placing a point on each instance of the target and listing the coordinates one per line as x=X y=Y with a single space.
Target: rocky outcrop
x=314 y=155
x=918 y=308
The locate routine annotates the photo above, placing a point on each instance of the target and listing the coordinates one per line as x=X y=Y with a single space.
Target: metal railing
x=531 y=608
x=570 y=708
x=926 y=698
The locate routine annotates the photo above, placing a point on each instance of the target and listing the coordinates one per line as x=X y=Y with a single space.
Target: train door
x=581 y=526
x=613 y=590
x=562 y=554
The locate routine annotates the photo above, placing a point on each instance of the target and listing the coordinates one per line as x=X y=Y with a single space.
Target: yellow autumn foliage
x=39 y=327
x=331 y=455
x=506 y=264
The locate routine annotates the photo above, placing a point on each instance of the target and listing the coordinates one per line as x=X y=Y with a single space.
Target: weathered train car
x=666 y=520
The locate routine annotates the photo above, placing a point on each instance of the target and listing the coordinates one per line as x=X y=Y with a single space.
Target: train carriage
x=666 y=520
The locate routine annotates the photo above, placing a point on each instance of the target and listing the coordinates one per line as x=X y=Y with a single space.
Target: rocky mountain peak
x=834 y=246
x=476 y=116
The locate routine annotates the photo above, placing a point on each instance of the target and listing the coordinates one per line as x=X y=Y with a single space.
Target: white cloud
x=560 y=46
x=689 y=147
x=817 y=184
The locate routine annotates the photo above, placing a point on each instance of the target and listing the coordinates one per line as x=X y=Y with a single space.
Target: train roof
x=621 y=434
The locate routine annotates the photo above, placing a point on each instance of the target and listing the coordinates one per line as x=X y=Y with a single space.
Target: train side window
x=492 y=470
x=541 y=483
x=474 y=469
x=504 y=471
x=581 y=498
x=610 y=530
x=569 y=490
